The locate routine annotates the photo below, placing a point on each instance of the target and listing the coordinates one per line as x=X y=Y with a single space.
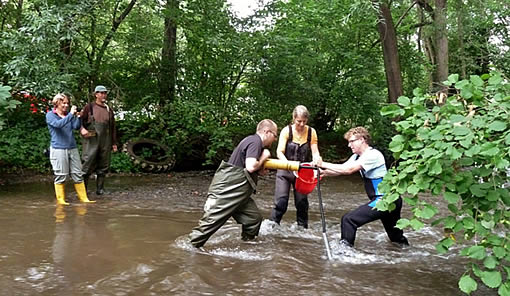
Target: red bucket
x=306 y=179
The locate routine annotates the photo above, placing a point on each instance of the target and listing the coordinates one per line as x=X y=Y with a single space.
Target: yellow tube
x=290 y=165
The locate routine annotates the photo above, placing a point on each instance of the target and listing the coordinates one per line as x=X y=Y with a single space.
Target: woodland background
x=428 y=78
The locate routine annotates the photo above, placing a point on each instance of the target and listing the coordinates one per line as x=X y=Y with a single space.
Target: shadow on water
x=133 y=241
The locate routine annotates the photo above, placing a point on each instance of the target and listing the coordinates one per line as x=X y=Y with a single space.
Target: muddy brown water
x=133 y=241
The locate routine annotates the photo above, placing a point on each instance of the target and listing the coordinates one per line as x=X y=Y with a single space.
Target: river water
x=133 y=241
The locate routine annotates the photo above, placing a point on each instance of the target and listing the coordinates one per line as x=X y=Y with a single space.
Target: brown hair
x=358 y=131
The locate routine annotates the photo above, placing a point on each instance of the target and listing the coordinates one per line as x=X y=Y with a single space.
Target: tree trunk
x=388 y=37
x=441 y=41
x=168 y=71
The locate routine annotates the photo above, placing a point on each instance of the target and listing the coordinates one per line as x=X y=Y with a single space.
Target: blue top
x=61 y=129
x=373 y=169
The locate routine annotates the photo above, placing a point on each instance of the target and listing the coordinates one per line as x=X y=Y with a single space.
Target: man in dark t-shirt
x=232 y=185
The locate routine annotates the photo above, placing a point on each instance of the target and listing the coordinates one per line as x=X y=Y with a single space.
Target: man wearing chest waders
x=372 y=167
x=232 y=186
x=298 y=141
x=99 y=138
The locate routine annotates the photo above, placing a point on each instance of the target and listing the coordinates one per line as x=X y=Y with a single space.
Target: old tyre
x=150 y=155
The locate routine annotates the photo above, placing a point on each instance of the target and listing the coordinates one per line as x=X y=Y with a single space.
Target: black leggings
x=365 y=214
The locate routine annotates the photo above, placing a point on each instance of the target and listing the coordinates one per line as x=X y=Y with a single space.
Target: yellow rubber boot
x=60 y=213
x=82 y=193
x=61 y=194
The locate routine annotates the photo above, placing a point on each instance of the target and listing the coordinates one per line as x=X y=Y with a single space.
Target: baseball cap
x=100 y=88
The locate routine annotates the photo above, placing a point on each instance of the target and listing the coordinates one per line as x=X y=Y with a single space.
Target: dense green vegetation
x=196 y=77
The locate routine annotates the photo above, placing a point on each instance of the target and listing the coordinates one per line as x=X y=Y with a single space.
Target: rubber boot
x=82 y=192
x=60 y=213
x=61 y=194
x=100 y=185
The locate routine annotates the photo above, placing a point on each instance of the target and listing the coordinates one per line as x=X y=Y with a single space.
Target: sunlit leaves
x=491 y=279
x=462 y=156
x=467 y=284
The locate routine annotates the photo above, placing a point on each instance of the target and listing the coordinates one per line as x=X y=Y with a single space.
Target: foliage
x=121 y=162
x=23 y=146
x=6 y=104
x=458 y=148
x=44 y=34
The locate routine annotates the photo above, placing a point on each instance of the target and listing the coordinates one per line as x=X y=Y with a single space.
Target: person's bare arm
x=334 y=169
x=253 y=165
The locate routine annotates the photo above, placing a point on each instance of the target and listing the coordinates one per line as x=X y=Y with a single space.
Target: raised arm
x=253 y=165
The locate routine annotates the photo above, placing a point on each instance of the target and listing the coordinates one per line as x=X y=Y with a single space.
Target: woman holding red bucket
x=297 y=142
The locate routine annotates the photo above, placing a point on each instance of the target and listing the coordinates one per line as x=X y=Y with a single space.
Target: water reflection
x=134 y=242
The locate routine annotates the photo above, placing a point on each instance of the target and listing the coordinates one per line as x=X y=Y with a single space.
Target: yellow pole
x=290 y=165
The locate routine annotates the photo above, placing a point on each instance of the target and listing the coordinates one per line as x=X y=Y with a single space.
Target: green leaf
x=416 y=224
x=490 y=151
x=397 y=144
x=392 y=110
x=476 y=252
x=413 y=189
x=476 y=80
x=477 y=190
x=473 y=150
x=468 y=222
x=499 y=252
x=504 y=290
x=451 y=197
x=449 y=222
x=428 y=152
x=488 y=224
x=491 y=279
x=427 y=212
x=494 y=80
x=436 y=168
x=403 y=223
x=453 y=78
x=490 y=262
x=403 y=101
x=467 y=284
x=461 y=131
x=497 y=126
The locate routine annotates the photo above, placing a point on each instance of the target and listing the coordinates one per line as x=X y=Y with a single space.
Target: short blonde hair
x=266 y=124
x=358 y=131
x=59 y=97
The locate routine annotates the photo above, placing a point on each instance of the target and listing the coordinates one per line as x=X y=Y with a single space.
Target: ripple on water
x=213 y=249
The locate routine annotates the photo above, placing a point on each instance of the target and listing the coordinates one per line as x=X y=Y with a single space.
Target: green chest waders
x=97 y=151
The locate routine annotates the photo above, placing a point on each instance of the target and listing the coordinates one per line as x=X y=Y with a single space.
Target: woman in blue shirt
x=64 y=155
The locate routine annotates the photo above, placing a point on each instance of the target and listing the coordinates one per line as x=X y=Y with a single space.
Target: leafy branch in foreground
x=458 y=148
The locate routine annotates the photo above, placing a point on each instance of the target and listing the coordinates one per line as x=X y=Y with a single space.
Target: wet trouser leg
x=75 y=169
x=248 y=214
x=218 y=211
x=281 y=195
x=90 y=151
x=103 y=155
x=389 y=221
x=66 y=162
x=365 y=214
x=301 y=202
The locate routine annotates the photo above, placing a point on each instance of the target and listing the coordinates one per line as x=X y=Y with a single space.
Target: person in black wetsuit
x=297 y=141
x=371 y=165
